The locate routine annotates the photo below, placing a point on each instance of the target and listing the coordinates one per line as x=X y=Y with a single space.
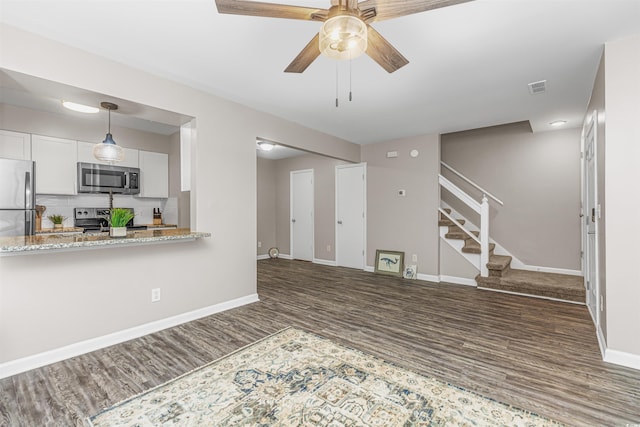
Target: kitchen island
x=60 y=242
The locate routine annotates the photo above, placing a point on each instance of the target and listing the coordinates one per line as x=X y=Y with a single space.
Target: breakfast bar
x=62 y=242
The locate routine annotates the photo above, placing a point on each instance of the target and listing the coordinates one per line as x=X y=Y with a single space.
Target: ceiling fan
x=345 y=32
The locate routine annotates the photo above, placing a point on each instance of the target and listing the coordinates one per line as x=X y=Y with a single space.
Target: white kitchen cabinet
x=154 y=174
x=85 y=154
x=15 y=145
x=56 y=164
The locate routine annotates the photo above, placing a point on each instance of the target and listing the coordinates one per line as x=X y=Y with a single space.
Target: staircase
x=503 y=278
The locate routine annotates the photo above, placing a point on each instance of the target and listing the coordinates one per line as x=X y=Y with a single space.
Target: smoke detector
x=538 y=87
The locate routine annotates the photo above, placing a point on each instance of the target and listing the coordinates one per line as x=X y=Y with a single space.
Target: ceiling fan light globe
x=343 y=37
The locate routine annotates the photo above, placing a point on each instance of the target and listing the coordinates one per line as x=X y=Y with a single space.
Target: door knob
x=339 y=222
x=293 y=220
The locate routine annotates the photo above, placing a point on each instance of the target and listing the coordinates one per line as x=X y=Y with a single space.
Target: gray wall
x=621 y=178
x=324 y=202
x=64 y=301
x=266 y=197
x=453 y=264
x=537 y=176
x=409 y=223
x=25 y=120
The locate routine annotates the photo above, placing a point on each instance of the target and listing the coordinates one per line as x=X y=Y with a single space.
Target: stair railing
x=482 y=208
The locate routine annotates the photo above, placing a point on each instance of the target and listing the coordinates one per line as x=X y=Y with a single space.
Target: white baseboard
x=265 y=256
x=550 y=270
x=601 y=341
x=369 y=269
x=428 y=278
x=324 y=262
x=522 y=294
x=285 y=256
x=621 y=358
x=458 y=280
x=24 y=364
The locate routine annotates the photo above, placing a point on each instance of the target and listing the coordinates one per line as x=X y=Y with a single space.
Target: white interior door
x=302 y=215
x=591 y=215
x=351 y=215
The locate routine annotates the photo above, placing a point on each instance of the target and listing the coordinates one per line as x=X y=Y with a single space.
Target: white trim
x=369 y=269
x=285 y=256
x=456 y=191
x=621 y=358
x=457 y=245
x=522 y=294
x=265 y=256
x=328 y=262
x=548 y=269
x=428 y=278
x=24 y=364
x=458 y=280
x=601 y=341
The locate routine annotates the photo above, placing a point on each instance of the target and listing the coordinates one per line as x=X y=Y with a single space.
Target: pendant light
x=107 y=150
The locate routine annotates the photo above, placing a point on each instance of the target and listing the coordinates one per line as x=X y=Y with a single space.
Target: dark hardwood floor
x=535 y=354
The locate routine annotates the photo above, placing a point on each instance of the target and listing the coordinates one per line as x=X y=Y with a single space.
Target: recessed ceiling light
x=80 y=107
x=266 y=145
x=558 y=123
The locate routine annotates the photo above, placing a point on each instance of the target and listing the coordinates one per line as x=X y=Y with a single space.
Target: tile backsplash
x=143 y=208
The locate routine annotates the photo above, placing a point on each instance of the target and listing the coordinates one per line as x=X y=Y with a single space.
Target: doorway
x=351 y=215
x=591 y=215
x=302 y=221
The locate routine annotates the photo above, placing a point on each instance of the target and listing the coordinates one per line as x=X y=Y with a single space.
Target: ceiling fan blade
x=270 y=10
x=393 y=9
x=381 y=51
x=310 y=52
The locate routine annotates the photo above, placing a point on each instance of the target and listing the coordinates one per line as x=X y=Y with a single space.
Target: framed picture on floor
x=389 y=262
x=411 y=272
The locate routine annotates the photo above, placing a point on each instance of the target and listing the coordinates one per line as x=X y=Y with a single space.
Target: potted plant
x=118 y=222
x=57 y=220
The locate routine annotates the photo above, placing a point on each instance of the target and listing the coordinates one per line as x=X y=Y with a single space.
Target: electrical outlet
x=259 y=244
x=328 y=248
x=601 y=303
x=155 y=294
x=414 y=258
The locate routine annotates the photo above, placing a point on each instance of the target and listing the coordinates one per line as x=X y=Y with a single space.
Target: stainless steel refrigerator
x=17 y=197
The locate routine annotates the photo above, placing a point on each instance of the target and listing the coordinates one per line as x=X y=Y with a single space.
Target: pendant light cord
x=336 y=85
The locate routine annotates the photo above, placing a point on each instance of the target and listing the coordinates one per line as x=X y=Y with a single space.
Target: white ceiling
x=469 y=64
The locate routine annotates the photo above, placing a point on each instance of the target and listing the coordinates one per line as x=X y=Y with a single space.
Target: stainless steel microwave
x=95 y=178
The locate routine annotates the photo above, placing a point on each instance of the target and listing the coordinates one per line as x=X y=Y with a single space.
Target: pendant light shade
x=343 y=37
x=108 y=150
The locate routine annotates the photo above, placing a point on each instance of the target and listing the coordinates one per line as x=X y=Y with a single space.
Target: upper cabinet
x=56 y=164
x=15 y=145
x=85 y=154
x=154 y=174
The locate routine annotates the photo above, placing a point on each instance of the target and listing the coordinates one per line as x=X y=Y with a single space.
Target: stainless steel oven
x=95 y=178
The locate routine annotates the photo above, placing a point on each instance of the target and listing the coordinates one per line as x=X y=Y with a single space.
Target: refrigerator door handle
x=28 y=197
x=29 y=226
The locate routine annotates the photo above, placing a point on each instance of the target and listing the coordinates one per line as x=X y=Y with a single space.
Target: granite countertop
x=55 y=242
x=60 y=230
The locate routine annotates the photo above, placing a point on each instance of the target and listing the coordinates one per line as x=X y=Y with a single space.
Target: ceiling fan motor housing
x=343 y=36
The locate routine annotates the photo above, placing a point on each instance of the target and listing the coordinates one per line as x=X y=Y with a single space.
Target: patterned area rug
x=294 y=378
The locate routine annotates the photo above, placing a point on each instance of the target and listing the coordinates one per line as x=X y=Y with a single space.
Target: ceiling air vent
x=538 y=87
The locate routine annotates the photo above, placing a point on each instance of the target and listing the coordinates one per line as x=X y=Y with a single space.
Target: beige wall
x=409 y=223
x=324 y=202
x=266 y=197
x=25 y=120
x=453 y=264
x=183 y=197
x=51 y=300
x=537 y=176
x=622 y=177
